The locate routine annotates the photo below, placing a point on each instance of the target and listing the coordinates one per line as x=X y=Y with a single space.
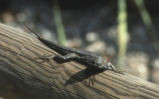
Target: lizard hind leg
x=66 y=58
x=59 y=58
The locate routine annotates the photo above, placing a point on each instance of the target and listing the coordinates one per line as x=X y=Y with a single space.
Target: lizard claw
x=112 y=68
x=118 y=71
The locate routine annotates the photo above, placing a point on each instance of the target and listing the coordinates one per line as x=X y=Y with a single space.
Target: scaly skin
x=86 y=58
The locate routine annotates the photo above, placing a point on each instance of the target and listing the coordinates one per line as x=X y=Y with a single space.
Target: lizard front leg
x=111 y=67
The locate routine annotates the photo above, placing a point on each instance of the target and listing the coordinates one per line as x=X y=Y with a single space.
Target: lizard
x=89 y=59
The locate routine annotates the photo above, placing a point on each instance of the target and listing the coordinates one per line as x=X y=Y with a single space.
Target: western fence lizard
x=89 y=59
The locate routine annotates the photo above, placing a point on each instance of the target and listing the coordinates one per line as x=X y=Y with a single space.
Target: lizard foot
x=91 y=80
x=111 y=67
x=46 y=58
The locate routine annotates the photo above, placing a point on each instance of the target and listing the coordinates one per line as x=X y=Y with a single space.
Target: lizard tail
x=59 y=49
x=35 y=33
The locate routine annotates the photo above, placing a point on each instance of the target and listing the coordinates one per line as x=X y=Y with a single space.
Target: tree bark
x=49 y=80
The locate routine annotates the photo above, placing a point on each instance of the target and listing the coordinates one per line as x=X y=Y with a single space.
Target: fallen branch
x=49 y=80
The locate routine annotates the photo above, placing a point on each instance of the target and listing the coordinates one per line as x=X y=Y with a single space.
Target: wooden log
x=50 y=80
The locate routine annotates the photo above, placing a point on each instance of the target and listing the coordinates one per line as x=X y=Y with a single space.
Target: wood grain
x=49 y=80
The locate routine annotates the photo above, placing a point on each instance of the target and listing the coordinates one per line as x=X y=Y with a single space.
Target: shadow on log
x=23 y=76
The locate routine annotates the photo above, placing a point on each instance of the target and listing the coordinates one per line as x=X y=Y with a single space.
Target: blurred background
x=125 y=32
